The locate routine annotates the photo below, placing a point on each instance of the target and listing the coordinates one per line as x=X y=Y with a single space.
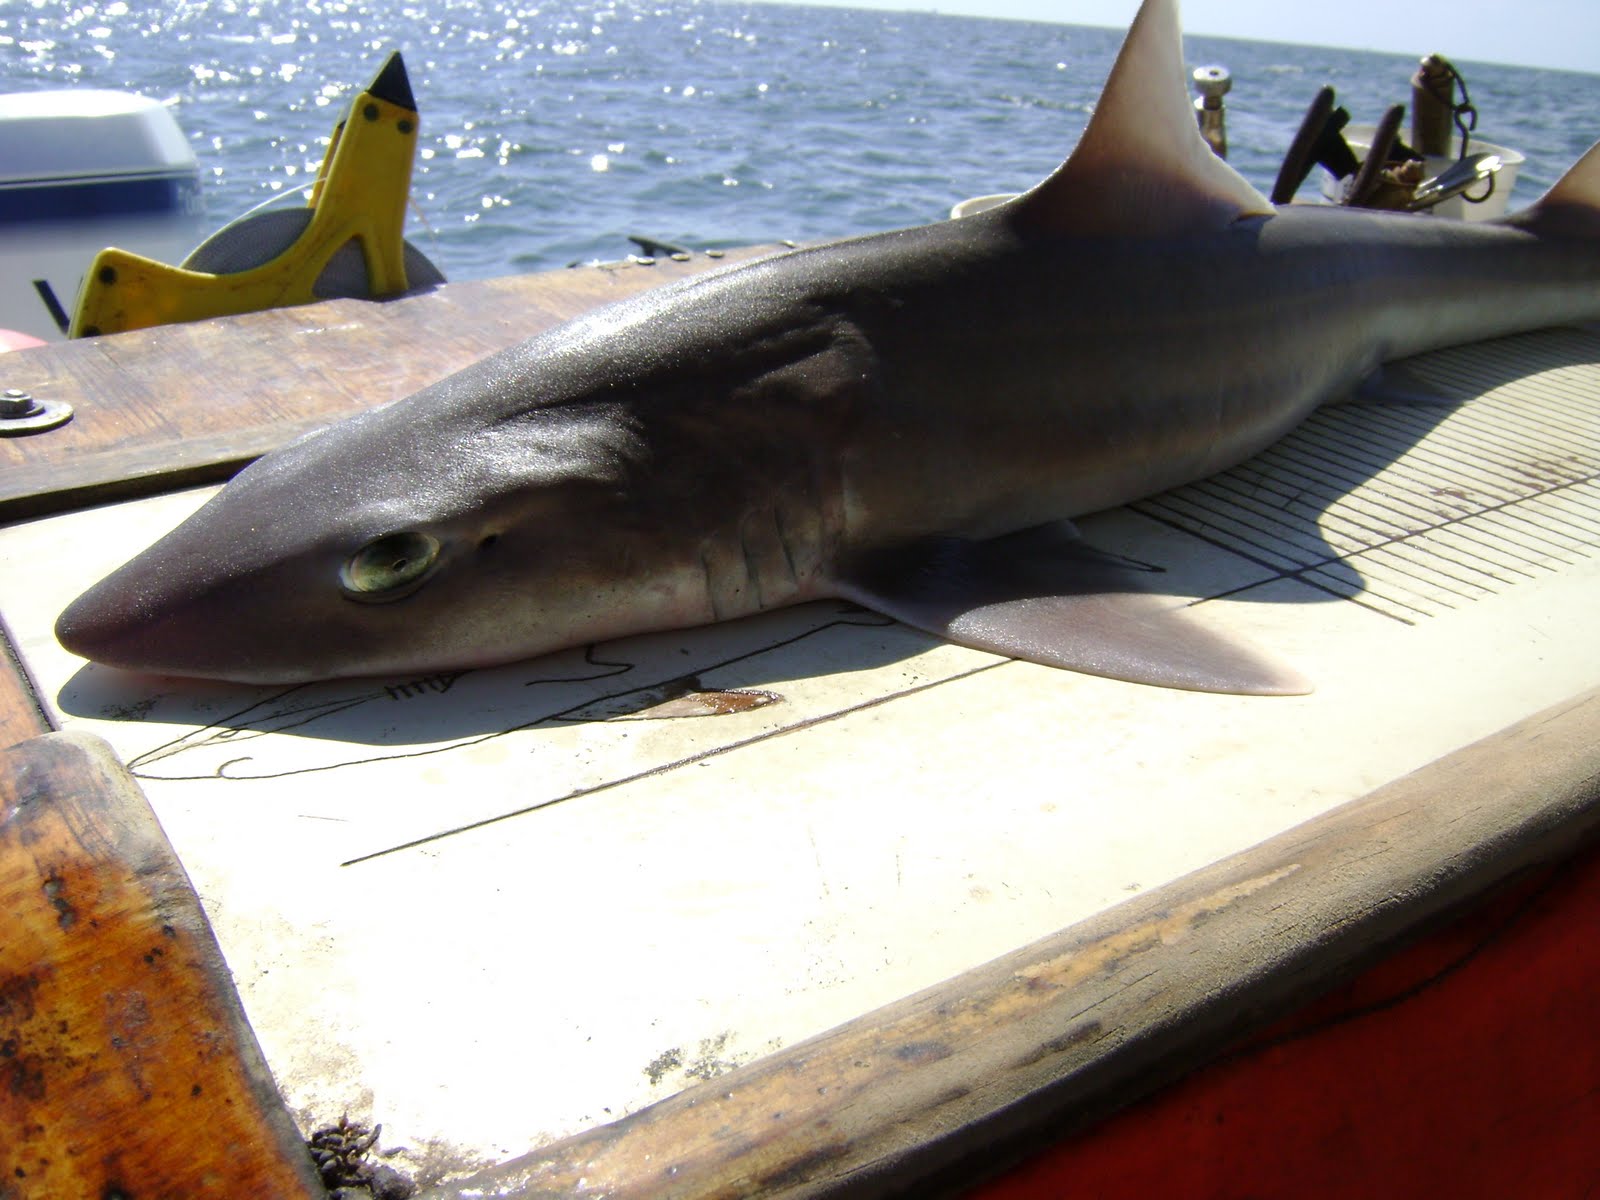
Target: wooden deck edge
x=116 y=475
x=127 y=1066
x=919 y=1096
x=22 y=713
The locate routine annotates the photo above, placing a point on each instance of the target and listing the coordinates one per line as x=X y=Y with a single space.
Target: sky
x=1561 y=34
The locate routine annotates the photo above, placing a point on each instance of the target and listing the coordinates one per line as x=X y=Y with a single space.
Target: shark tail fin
x=1572 y=207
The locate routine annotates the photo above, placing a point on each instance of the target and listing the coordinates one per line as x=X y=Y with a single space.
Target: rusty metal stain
x=707 y=704
x=683 y=697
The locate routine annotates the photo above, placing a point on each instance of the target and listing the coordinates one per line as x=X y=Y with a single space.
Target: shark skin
x=907 y=420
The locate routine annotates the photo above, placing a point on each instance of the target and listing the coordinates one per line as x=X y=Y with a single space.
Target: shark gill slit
x=711 y=585
x=782 y=532
x=752 y=565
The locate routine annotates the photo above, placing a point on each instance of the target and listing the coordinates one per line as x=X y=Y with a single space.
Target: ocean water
x=552 y=130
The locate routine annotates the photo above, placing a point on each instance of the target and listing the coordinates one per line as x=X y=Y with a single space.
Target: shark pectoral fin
x=1070 y=607
x=1130 y=636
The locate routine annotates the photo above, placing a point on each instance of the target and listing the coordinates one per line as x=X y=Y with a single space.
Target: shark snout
x=159 y=615
x=118 y=628
x=106 y=626
x=151 y=615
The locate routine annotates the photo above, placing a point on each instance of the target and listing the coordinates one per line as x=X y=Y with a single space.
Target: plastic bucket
x=1457 y=207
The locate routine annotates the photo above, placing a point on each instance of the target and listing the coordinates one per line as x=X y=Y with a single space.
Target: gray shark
x=905 y=420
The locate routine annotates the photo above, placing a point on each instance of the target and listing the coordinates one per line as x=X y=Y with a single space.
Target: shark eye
x=390 y=567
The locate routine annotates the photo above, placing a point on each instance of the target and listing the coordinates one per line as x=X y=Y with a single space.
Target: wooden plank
x=126 y=1065
x=925 y=1094
x=22 y=716
x=177 y=405
x=1367 y=1091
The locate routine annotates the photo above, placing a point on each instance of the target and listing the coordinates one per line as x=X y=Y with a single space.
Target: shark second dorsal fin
x=1572 y=207
x=1141 y=168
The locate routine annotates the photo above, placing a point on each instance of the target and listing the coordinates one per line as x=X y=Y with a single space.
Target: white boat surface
x=82 y=169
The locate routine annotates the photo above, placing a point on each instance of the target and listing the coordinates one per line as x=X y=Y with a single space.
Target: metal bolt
x=21 y=413
x=1213 y=83
x=16 y=403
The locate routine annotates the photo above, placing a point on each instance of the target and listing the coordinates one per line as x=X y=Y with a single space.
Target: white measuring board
x=493 y=908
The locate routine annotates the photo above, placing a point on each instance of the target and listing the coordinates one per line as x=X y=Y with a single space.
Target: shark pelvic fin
x=1572 y=207
x=1141 y=168
x=1399 y=382
x=1043 y=596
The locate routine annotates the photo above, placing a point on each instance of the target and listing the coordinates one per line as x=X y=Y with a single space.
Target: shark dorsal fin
x=1572 y=207
x=1141 y=167
x=1580 y=186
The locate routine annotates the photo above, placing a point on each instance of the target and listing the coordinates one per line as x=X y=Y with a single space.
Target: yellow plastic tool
x=360 y=195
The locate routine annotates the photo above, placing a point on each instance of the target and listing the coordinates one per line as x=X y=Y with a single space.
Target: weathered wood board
x=126 y=1065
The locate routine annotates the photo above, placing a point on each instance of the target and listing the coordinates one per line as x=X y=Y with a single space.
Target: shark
x=909 y=421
